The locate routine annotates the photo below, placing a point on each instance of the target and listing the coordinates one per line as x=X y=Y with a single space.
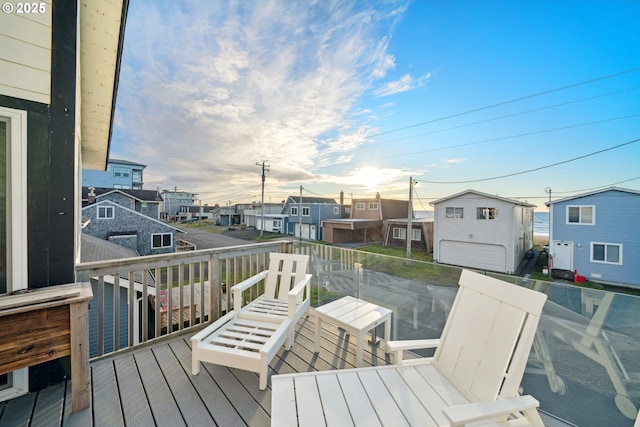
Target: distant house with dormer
x=146 y=202
x=119 y=224
x=365 y=223
x=483 y=231
x=304 y=215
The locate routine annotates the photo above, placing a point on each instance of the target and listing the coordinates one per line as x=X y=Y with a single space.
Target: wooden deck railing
x=137 y=299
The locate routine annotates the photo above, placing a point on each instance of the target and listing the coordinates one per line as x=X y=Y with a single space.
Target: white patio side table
x=356 y=316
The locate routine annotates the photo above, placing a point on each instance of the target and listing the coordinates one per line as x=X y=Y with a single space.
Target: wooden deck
x=152 y=385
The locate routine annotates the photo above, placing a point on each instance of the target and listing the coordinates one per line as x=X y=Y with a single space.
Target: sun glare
x=368 y=177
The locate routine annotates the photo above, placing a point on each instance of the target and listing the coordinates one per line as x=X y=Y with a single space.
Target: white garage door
x=476 y=255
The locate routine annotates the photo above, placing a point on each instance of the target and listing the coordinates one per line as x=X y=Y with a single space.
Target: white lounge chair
x=249 y=337
x=474 y=376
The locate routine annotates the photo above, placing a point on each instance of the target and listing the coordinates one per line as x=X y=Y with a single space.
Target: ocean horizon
x=540 y=221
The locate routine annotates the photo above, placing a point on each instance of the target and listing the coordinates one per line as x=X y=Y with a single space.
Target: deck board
x=135 y=406
x=49 y=406
x=106 y=410
x=153 y=385
x=163 y=406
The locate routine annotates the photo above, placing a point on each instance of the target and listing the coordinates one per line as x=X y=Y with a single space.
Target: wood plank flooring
x=153 y=386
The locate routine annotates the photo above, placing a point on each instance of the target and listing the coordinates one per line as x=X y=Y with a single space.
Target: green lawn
x=416 y=254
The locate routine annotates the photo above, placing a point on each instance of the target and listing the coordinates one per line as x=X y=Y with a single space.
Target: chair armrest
x=397 y=347
x=464 y=414
x=236 y=290
x=300 y=286
x=295 y=294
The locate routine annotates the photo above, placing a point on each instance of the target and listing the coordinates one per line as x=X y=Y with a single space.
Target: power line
x=502 y=138
x=535 y=169
x=493 y=119
x=511 y=101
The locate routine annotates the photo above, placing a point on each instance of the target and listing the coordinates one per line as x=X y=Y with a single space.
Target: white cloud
x=209 y=88
x=404 y=84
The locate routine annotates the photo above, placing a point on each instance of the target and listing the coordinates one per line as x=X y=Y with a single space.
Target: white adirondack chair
x=249 y=337
x=473 y=377
x=286 y=291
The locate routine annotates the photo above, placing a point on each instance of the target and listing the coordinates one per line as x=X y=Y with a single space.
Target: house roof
x=140 y=195
x=126 y=162
x=101 y=37
x=485 y=195
x=307 y=199
x=354 y=223
x=406 y=220
x=591 y=193
x=148 y=218
x=96 y=249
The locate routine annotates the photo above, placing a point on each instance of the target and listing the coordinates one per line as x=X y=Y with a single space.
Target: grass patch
x=416 y=254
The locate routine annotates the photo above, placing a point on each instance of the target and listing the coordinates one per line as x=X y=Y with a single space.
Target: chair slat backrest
x=488 y=335
x=285 y=270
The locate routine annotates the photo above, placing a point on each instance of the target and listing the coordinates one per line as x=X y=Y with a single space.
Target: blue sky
x=359 y=96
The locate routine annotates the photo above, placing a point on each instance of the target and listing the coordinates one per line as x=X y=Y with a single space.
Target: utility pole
x=410 y=219
x=548 y=191
x=264 y=168
x=300 y=216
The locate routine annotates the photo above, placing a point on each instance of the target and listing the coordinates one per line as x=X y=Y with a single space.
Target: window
x=121 y=172
x=13 y=226
x=347 y=210
x=306 y=211
x=608 y=253
x=487 y=213
x=373 y=206
x=581 y=214
x=161 y=240
x=399 y=233
x=277 y=223
x=336 y=210
x=294 y=211
x=122 y=186
x=136 y=175
x=144 y=207
x=106 y=212
x=454 y=212
x=359 y=206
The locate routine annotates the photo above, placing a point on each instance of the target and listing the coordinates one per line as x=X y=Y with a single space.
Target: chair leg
x=195 y=365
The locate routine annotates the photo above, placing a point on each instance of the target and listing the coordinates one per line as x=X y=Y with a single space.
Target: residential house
x=597 y=234
x=305 y=215
x=365 y=223
x=147 y=202
x=119 y=174
x=483 y=231
x=58 y=84
x=274 y=218
x=173 y=199
x=194 y=212
x=119 y=224
x=395 y=233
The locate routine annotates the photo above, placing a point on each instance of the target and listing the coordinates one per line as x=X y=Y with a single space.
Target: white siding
x=476 y=255
x=25 y=57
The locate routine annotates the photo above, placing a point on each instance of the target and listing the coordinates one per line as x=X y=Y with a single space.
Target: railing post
x=116 y=311
x=99 y=297
x=214 y=292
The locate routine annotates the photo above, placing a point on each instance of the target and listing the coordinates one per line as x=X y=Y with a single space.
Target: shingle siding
x=127 y=222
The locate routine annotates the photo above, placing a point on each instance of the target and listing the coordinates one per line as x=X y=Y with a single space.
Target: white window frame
x=360 y=206
x=486 y=213
x=347 y=210
x=106 y=209
x=121 y=172
x=373 y=206
x=416 y=234
x=336 y=210
x=17 y=274
x=294 y=211
x=399 y=233
x=277 y=223
x=606 y=245
x=306 y=211
x=580 y=222
x=454 y=213
x=162 y=240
